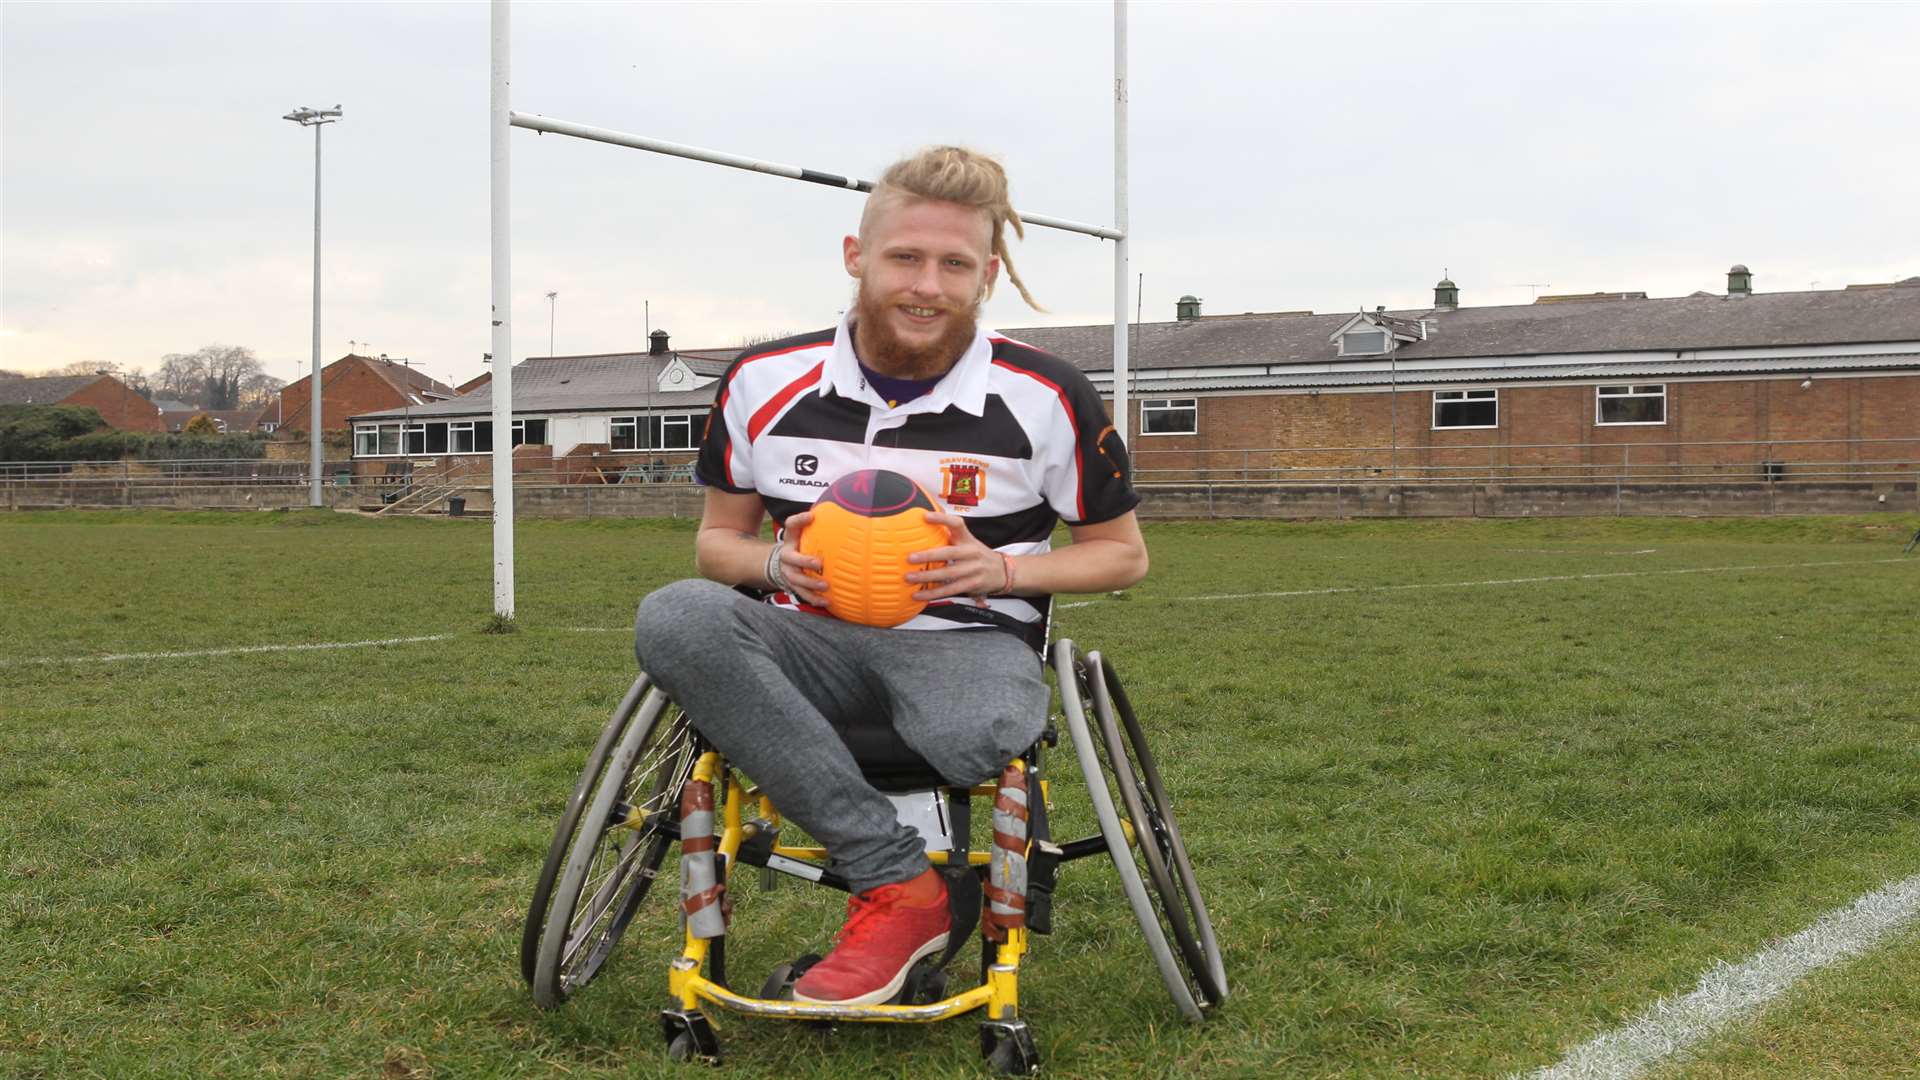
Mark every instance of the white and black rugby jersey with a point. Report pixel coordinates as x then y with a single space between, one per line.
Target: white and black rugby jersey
1012 438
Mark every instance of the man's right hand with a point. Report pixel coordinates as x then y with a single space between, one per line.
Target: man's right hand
801 571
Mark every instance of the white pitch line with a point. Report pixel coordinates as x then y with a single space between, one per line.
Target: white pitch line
1731 992
1498 581
233 651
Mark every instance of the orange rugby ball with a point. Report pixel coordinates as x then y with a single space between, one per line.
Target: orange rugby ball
864 526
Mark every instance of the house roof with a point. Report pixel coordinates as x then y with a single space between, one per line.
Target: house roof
597 383
45 390
1687 323
1382 375
405 380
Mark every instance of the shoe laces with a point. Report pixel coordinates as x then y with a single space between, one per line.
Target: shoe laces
866 911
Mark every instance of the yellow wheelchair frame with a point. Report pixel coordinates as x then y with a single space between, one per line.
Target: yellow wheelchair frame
632 803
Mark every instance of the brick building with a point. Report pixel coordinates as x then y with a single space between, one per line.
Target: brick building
602 417
117 404
1823 383
352 385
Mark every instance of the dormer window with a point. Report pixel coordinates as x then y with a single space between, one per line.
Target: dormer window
1363 342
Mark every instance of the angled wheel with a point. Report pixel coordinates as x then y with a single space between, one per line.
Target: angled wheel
1165 902
1158 844
570 824
625 826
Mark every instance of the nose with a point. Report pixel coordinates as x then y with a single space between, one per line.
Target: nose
926 282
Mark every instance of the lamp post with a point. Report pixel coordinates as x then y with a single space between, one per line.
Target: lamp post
315 119
553 302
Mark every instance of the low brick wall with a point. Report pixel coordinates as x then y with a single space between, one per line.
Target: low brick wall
1161 501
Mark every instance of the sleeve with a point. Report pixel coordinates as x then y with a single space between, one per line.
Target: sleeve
1092 480
725 460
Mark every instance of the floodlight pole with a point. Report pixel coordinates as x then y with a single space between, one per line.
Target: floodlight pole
500 129
1121 422
315 119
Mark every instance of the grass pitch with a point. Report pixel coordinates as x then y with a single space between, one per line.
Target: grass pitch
1515 783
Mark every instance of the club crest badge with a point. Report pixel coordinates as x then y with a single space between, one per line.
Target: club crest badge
963 482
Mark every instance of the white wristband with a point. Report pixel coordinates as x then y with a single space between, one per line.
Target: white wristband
776 574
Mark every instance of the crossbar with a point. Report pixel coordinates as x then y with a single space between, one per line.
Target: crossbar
547 125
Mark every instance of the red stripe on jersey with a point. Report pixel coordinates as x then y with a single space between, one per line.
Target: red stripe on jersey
1079 472
764 414
785 351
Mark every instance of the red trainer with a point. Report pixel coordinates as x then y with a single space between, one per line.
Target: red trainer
887 929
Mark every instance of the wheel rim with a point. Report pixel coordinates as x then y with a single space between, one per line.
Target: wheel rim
563 835
1177 892
617 850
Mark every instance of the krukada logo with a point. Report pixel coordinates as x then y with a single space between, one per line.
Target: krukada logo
806 464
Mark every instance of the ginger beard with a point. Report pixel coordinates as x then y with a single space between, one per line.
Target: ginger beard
886 352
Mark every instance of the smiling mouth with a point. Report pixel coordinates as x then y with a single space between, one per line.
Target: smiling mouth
920 312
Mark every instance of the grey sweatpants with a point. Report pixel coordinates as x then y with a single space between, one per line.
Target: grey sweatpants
768 687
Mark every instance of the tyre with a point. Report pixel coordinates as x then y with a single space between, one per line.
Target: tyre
627 823
1082 681
570 823
1136 776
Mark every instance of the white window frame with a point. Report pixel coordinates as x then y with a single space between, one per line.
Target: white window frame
1169 405
686 424
519 433
1386 341
457 428
367 435
1624 392
1475 394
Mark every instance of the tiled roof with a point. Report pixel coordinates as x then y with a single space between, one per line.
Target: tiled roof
404 379
1826 317
573 384
45 390
1631 369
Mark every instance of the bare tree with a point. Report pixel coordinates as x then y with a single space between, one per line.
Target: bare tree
213 377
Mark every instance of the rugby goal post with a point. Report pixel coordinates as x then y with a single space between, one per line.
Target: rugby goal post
504 120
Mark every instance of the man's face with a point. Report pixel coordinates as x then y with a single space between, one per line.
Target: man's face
923 269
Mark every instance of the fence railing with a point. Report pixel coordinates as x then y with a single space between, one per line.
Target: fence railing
1777 460
1703 462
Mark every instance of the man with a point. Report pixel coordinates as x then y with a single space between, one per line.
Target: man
1013 439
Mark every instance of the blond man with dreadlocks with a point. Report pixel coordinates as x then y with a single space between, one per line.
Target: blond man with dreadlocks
1015 441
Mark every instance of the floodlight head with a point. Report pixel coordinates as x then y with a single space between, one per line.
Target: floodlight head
306 117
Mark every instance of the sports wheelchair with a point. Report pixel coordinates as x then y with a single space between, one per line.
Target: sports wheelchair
651 782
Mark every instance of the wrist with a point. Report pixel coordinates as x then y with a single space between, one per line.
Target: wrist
775 573
1006 561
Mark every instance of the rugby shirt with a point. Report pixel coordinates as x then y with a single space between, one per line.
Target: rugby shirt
1011 438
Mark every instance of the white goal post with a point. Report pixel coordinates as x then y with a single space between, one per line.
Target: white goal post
504 120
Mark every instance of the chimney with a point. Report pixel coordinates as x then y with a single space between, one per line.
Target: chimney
1187 308
1446 295
1739 282
657 343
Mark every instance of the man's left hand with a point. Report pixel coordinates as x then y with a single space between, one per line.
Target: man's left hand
972 568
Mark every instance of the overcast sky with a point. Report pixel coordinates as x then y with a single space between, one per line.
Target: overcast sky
1284 156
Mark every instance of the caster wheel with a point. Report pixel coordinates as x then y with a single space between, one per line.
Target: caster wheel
1008 1047
924 986
690 1037
779 984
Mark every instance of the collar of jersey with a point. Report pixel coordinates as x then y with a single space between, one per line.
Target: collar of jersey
964 386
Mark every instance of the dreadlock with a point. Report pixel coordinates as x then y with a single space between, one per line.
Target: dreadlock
957 175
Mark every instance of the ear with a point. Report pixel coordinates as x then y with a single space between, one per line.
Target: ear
993 273
850 255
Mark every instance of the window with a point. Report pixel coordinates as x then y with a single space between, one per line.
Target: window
416 438
1466 408
437 438
530 431
460 437
366 440
1637 404
1363 342
670 431
389 439
1169 416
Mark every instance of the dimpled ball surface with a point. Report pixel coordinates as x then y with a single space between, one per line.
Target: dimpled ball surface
863 529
